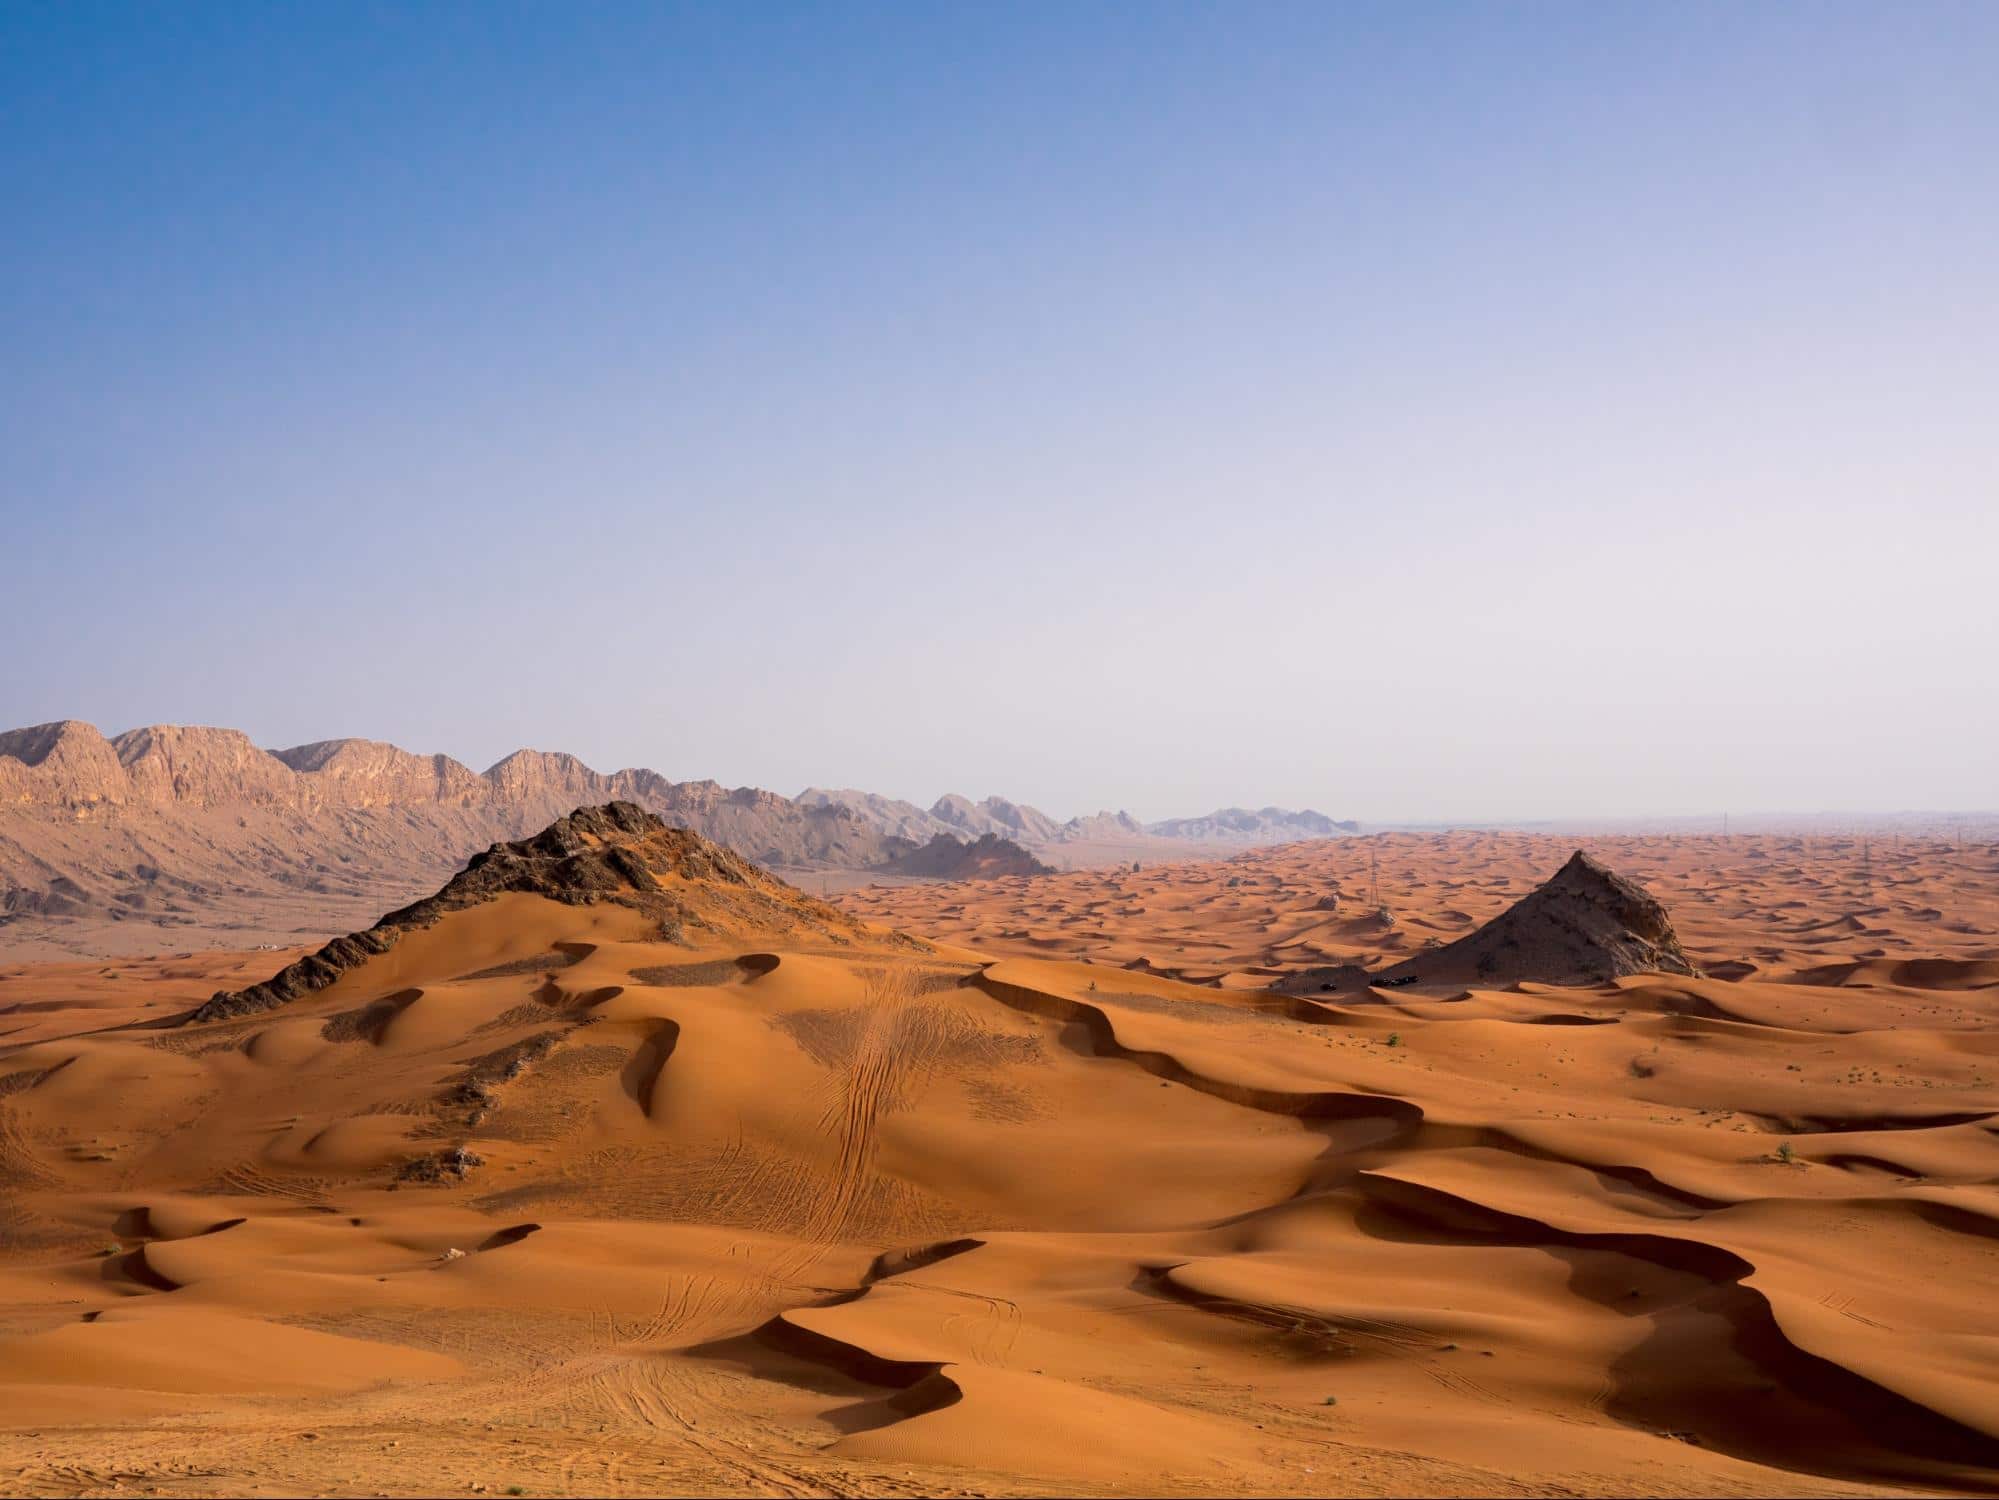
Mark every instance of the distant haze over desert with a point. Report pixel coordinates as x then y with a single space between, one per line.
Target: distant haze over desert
1049 749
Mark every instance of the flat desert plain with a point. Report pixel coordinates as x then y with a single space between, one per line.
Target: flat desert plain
621 1167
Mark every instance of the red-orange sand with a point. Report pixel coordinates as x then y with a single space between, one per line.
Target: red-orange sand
798 1211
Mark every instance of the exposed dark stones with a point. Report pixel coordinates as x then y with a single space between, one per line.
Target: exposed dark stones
618 852
948 858
440 1168
1586 925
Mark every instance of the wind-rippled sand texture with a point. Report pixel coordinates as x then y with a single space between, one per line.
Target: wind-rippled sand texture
788 1214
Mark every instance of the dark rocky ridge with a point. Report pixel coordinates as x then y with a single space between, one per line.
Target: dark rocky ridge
949 858
1585 925
618 852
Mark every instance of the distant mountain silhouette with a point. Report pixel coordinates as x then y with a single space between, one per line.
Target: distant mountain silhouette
1233 827
984 858
1266 825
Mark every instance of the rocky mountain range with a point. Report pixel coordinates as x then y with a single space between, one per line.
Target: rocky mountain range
1266 825
177 826
1234 827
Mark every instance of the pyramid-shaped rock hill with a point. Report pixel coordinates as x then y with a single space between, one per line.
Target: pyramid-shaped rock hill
617 853
1586 925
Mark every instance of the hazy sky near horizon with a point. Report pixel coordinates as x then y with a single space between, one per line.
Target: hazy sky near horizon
1412 411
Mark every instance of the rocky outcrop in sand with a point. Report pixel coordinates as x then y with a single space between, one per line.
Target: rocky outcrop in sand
618 853
985 858
1585 925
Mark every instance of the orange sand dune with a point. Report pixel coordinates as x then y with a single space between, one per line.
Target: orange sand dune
568 1195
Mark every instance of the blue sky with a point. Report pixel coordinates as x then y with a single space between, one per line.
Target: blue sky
1414 411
